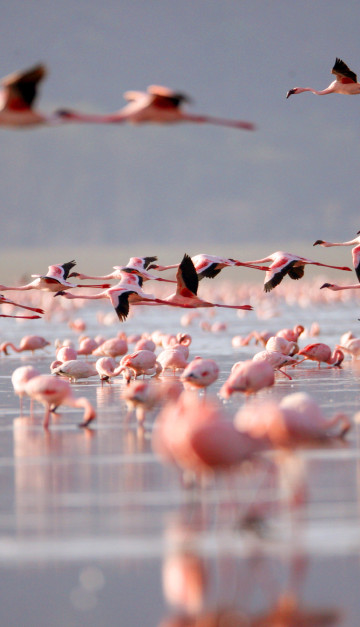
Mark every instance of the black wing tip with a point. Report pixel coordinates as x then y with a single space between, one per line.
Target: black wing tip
148 260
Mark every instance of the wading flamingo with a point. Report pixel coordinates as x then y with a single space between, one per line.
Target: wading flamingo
53 281
277 360
344 83
159 105
27 343
248 377
355 251
322 353
20 377
7 301
53 391
74 369
200 373
288 264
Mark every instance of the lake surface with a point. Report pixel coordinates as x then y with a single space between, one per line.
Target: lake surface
94 528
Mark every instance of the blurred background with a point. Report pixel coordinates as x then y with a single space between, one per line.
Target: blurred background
102 193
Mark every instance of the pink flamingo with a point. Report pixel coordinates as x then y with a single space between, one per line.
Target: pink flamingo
87 345
248 377
27 343
159 105
66 353
352 348
20 377
19 92
7 301
209 266
106 368
172 358
52 392
74 369
187 283
296 420
142 396
287 264
282 345
193 434
291 335
141 362
135 265
200 373
121 296
355 251
113 347
277 360
54 280
322 353
344 83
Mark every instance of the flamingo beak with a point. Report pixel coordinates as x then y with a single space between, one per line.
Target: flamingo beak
325 285
290 92
318 241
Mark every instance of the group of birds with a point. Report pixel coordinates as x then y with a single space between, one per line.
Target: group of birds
158 104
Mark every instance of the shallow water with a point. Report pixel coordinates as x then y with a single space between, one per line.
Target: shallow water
92 523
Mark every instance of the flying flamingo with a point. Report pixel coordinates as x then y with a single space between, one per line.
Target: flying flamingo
135 265
121 296
344 83
322 353
355 251
7 301
208 266
52 392
54 280
287 263
159 105
187 287
18 94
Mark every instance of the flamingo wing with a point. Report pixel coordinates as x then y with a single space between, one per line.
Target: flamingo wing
67 267
186 278
20 88
276 273
163 97
120 301
343 72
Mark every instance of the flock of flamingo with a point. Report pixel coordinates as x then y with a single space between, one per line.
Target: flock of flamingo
192 430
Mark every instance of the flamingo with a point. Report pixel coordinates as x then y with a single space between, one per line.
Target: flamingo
287 263
113 347
54 280
141 362
321 352
121 296
282 345
106 368
291 335
135 265
200 373
27 343
187 283
173 358
20 377
52 392
344 83
159 105
249 377
7 301
208 266
277 360
355 251
352 348
338 288
74 369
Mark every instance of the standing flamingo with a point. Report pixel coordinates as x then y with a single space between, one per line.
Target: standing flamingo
54 280
344 83
52 392
355 251
248 377
19 379
27 343
322 353
159 105
200 373
287 263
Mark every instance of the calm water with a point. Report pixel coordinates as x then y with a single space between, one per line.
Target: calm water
91 523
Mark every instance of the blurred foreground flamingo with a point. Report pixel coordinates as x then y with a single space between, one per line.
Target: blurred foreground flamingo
159 105
19 379
248 377
355 251
7 301
287 264
344 83
18 94
52 392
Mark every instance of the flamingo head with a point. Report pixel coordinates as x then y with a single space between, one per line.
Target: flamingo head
291 92
318 242
329 285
